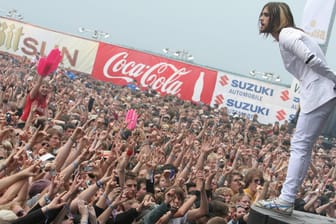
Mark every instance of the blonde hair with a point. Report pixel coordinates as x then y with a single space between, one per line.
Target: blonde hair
7 144
286 17
223 190
216 220
7 215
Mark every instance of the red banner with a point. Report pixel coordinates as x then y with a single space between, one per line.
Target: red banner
122 66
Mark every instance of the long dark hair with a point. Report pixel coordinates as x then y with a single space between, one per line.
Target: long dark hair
280 17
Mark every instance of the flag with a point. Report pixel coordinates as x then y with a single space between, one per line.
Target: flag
316 19
71 75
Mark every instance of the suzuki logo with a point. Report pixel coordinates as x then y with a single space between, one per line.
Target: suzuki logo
219 99
281 115
285 95
224 80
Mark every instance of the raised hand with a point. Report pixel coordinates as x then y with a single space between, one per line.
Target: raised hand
31 170
169 196
83 209
206 147
57 202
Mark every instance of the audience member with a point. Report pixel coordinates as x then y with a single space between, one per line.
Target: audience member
71 158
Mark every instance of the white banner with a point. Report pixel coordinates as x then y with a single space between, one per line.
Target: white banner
316 18
23 39
249 96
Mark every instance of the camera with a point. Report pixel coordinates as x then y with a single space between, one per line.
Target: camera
227 156
252 129
8 118
221 164
87 168
286 143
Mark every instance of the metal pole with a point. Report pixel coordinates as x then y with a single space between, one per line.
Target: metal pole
329 128
324 47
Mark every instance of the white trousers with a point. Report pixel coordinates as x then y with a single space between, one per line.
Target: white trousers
308 128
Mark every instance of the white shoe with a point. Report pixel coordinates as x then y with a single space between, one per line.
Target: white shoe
276 206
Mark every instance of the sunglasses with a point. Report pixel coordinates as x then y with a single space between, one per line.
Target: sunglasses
45 144
258 181
237 180
159 190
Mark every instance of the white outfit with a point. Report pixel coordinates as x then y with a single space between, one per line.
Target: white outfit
304 59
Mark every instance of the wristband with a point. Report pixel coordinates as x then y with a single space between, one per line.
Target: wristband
2 167
196 193
27 147
75 164
72 139
46 214
47 199
108 201
99 184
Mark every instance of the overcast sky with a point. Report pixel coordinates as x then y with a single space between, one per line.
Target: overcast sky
221 34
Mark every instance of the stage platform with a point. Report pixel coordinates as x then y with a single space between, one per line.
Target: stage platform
263 216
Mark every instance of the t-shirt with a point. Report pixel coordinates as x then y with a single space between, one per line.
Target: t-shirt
180 220
249 193
41 105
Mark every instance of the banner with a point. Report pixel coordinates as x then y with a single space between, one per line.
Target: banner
122 66
247 97
316 19
23 39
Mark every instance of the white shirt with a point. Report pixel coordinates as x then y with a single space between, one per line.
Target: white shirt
304 59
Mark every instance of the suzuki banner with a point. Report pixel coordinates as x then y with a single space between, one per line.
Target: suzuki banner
247 97
122 66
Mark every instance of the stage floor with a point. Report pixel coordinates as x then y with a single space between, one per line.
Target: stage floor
263 216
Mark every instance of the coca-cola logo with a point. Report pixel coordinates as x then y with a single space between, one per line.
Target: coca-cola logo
163 77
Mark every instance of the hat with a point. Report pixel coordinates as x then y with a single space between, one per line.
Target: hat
38 186
93 116
47 156
125 134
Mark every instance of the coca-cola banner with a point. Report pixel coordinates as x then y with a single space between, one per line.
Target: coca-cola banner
249 96
122 66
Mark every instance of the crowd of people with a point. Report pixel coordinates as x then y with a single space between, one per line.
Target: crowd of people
68 155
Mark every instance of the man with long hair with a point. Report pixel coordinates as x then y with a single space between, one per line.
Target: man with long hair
304 59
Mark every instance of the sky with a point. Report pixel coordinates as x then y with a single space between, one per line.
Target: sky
220 34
